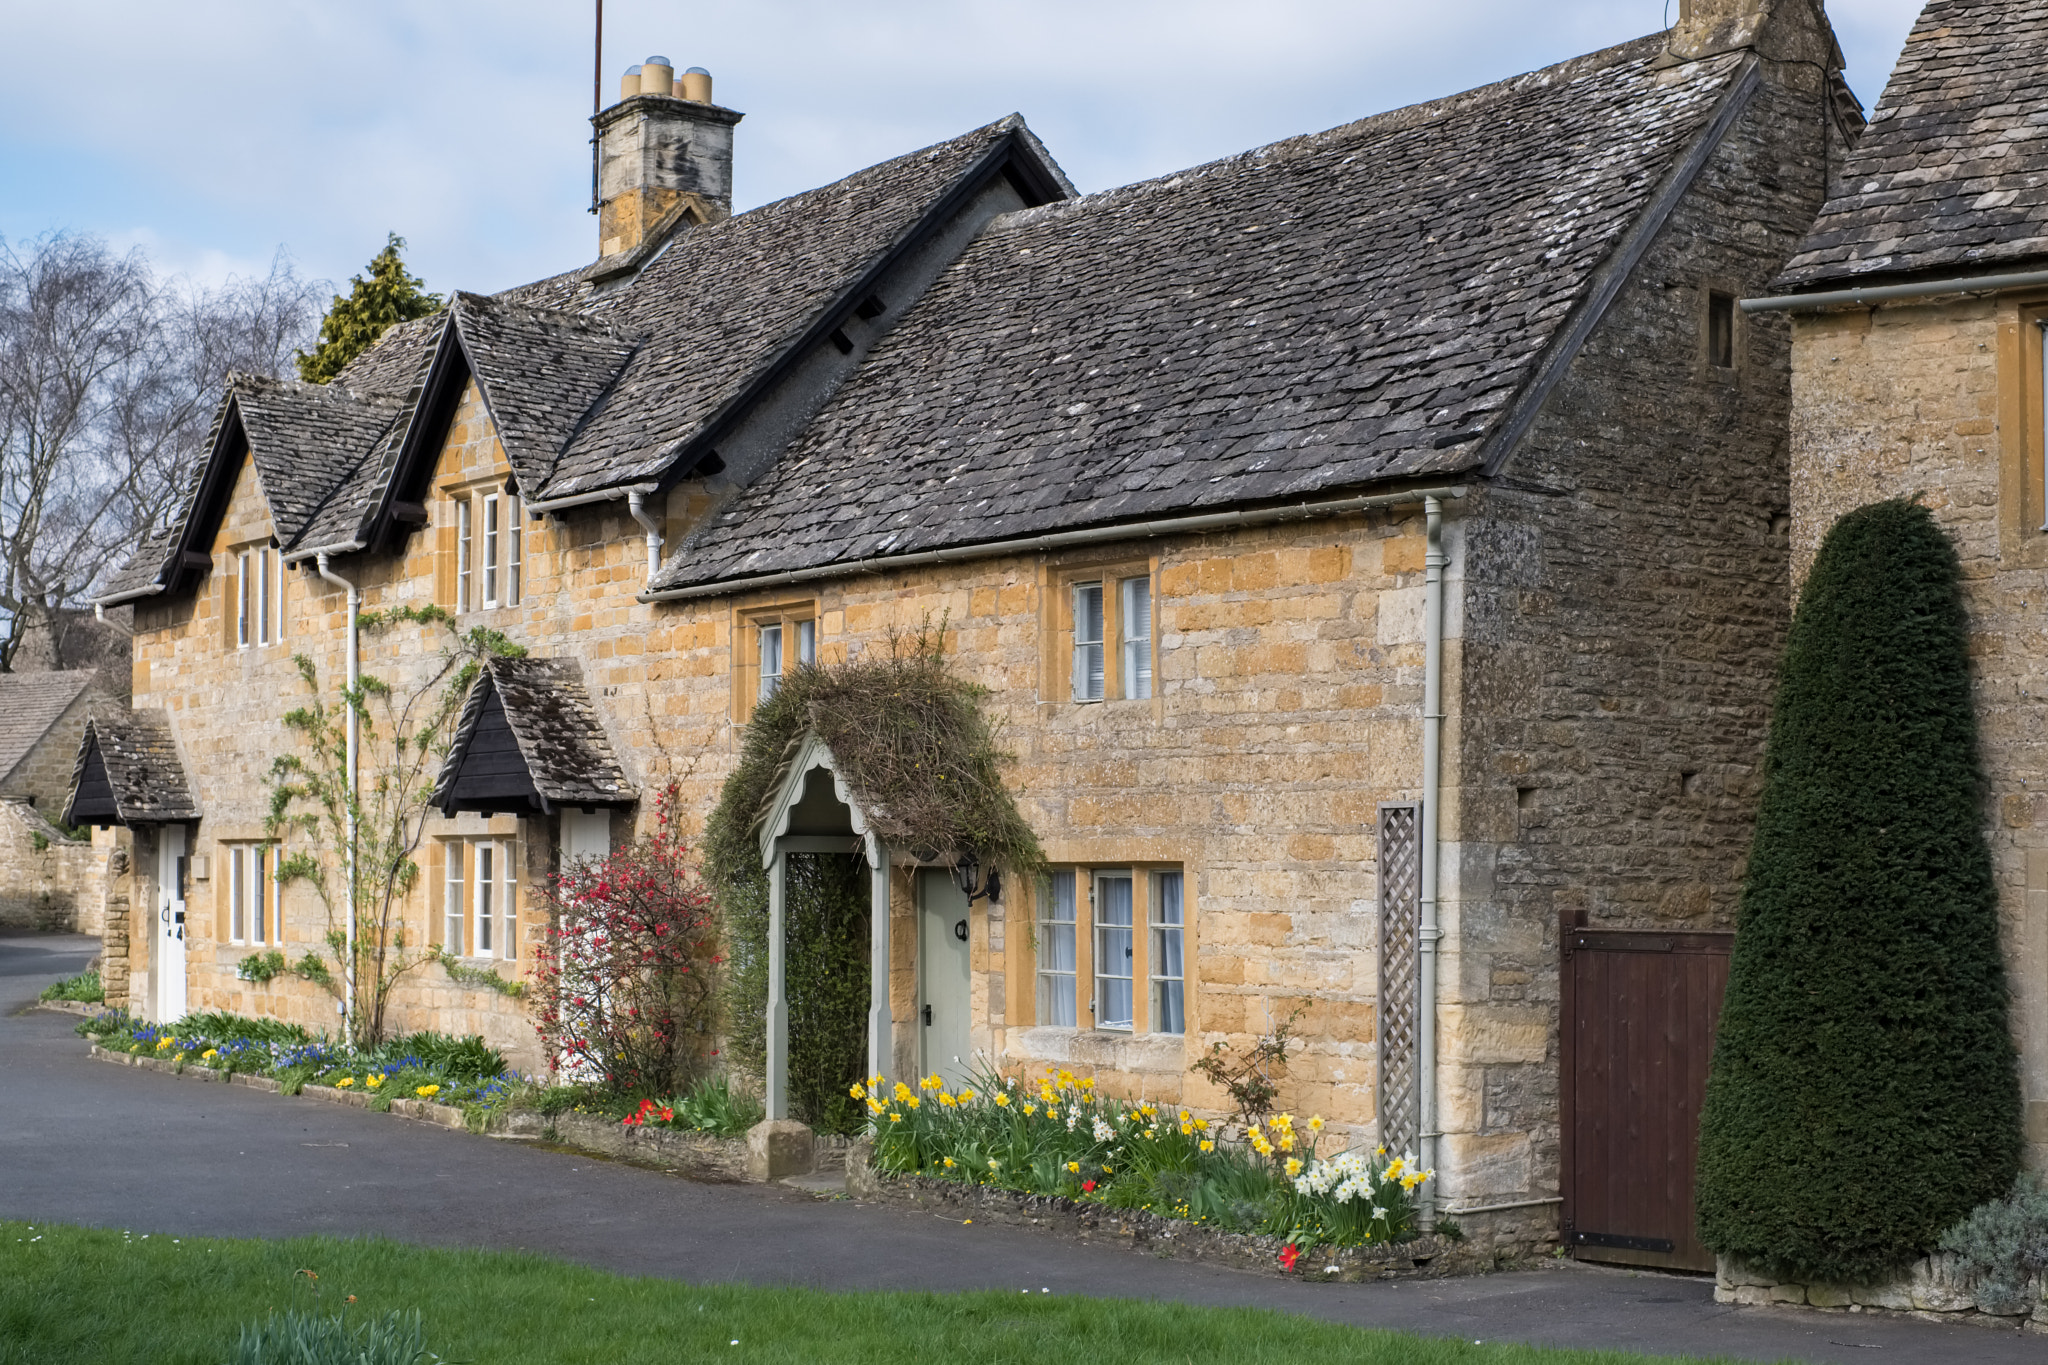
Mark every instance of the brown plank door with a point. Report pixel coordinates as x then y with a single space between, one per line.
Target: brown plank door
1639 1012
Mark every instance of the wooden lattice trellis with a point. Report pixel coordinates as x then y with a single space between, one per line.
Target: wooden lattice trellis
1400 885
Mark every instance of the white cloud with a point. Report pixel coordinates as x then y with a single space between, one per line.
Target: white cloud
212 131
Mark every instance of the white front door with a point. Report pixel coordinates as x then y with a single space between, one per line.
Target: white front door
169 973
942 978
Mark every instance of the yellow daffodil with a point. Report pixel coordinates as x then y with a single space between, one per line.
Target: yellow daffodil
162 1043
1187 1130
1105 1170
1208 1145
376 1081
1002 1100
1287 1142
895 1117
1201 1125
931 1082
209 1054
859 1091
874 1105
345 1082
914 1102
426 1090
1087 1082
966 1095
1029 1110
1294 1165
949 1163
1315 1125
947 1100
902 1092
1066 1077
1073 1168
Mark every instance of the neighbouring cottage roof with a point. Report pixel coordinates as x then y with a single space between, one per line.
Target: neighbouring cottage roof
30 703
1952 173
1353 306
128 773
529 739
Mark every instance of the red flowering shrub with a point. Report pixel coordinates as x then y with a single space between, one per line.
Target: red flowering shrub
624 982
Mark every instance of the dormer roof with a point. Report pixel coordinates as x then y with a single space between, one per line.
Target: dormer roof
529 741
128 773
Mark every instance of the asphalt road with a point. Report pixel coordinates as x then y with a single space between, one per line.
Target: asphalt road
85 1142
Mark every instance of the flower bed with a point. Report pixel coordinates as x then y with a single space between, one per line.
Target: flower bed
426 1067
1055 1137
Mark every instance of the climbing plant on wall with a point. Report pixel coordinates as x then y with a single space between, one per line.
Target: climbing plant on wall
1863 1093
912 740
402 734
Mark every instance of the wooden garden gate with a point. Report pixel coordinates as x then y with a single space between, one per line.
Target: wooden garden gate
1639 1013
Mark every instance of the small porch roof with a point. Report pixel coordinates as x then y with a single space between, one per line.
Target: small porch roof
529 740
803 799
128 773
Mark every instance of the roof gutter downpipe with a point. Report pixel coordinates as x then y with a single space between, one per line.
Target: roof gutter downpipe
1060 540
355 671
637 504
1885 293
1434 561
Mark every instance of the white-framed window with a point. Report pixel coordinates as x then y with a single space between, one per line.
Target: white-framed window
515 548
1115 951
1088 675
480 898
490 555
454 905
1056 924
1168 959
259 597
782 640
255 900
490 549
1135 625
465 552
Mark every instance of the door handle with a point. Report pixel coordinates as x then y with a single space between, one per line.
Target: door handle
927 1015
960 931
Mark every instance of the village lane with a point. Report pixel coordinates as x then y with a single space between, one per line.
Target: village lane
84 1142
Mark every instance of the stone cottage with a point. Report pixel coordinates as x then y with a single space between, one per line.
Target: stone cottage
1918 304
49 879
1373 545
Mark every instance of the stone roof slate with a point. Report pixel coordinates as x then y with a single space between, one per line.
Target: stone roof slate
725 300
141 757
1334 310
30 703
306 440
540 371
548 709
1952 173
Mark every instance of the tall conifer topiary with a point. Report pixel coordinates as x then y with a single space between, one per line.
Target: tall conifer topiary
1863 1094
391 295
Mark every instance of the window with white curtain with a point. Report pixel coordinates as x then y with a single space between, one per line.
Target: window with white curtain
1135 625
1168 956
1056 964
255 902
1088 663
259 597
1114 950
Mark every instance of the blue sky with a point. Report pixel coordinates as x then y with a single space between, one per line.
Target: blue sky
213 132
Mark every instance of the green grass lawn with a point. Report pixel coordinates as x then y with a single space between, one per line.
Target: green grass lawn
78 1294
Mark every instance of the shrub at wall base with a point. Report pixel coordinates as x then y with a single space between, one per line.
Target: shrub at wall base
1863 1095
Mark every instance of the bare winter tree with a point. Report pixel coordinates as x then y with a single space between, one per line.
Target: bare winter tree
109 377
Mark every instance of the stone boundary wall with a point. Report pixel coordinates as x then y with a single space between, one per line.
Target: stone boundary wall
54 888
1932 1288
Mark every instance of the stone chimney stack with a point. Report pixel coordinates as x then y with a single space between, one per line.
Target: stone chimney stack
663 144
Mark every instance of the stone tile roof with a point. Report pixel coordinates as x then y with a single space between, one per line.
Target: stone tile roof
564 746
540 371
145 568
1952 173
141 757
30 703
1357 305
306 441
725 301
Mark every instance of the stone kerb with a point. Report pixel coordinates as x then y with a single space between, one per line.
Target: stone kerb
1932 1288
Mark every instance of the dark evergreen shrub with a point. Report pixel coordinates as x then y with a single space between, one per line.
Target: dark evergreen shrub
1863 1095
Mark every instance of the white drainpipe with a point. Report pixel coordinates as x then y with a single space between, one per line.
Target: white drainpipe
348 973
637 504
1434 561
